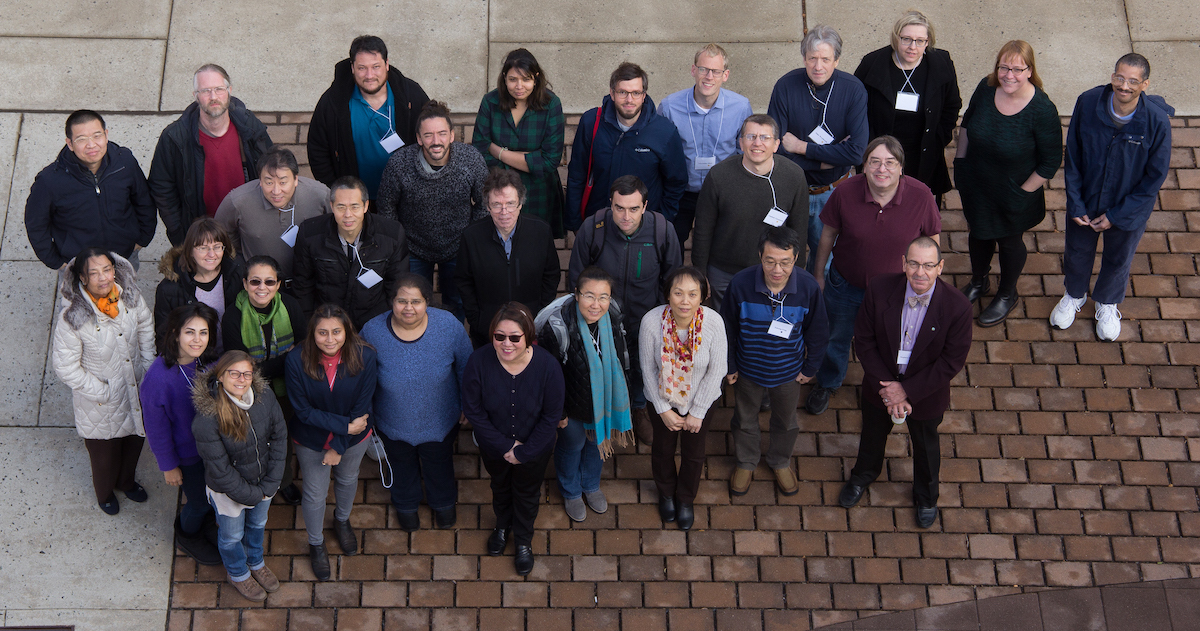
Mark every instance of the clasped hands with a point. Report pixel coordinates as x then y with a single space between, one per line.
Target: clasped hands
895 398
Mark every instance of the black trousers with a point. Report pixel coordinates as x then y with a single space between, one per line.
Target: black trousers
926 452
686 216
517 493
114 462
684 484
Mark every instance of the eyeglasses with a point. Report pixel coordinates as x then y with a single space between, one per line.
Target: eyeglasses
913 265
215 248
83 140
238 375
500 337
783 265
625 94
889 164
708 72
509 206
751 138
908 41
602 298
211 92
1122 81
269 282
1009 70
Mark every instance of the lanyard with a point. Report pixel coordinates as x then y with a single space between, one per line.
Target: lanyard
186 377
777 302
291 209
825 103
907 75
767 177
720 126
387 117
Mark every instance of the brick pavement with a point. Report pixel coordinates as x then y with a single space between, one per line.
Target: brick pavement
1068 463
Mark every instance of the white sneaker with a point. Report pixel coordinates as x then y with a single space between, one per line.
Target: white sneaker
1064 312
1108 322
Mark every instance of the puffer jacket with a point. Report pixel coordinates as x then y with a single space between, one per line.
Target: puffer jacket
558 332
178 288
102 359
247 470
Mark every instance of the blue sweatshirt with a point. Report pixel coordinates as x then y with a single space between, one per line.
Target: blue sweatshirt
167 412
749 310
796 110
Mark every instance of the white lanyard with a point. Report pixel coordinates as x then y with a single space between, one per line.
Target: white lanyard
361 268
767 177
907 76
388 117
825 103
292 216
777 302
720 126
186 377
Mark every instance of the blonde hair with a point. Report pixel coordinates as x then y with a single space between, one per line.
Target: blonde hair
712 50
1016 48
912 18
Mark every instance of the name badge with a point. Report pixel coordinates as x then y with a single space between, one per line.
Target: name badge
780 329
289 237
907 101
369 278
820 136
704 163
903 357
775 217
391 142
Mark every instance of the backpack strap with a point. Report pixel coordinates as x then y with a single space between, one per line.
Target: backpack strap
598 241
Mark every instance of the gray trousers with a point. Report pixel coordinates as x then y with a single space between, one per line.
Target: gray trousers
747 445
316 487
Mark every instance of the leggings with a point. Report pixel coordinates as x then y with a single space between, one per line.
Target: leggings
1012 260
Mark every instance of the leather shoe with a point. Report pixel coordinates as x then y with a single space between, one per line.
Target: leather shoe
319 557
345 537
850 495
739 484
998 310
445 518
410 522
642 427
137 493
976 289
685 516
666 508
110 505
196 545
926 515
818 400
290 495
497 542
523 562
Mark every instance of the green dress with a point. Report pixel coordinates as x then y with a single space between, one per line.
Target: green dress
1002 151
540 133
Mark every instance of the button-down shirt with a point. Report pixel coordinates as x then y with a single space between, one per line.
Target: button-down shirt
507 242
706 134
911 319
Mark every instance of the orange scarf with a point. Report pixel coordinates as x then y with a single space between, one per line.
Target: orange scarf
107 304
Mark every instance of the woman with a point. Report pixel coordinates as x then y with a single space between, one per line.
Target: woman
1009 146
513 397
240 434
520 126
330 382
912 94
103 343
168 409
584 333
422 355
202 269
683 355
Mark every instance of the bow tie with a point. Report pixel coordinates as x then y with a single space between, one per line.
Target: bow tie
915 301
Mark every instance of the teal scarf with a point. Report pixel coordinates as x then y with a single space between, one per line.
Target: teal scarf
610 396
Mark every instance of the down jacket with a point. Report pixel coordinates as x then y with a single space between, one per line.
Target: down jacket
102 359
558 332
248 470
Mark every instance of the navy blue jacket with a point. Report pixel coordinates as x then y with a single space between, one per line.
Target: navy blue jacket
322 414
1117 172
652 150
71 209
795 109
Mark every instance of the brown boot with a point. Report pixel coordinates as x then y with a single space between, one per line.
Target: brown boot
642 427
249 589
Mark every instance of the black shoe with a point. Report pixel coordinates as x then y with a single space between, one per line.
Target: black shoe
926 515
666 508
137 494
998 310
320 561
818 400
497 542
197 546
445 518
524 560
345 537
410 522
290 495
209 528
685 516
976 289
850 494
110 505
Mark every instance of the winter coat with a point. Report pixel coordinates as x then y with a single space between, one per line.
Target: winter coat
102 359
247 470
558 333
70 208
178 288
177 170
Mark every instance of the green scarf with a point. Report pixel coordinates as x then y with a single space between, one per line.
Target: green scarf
257 345
610 396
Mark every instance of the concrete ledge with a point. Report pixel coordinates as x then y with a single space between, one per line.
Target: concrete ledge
87 18
45 76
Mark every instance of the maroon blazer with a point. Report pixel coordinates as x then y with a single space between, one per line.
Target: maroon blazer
939 353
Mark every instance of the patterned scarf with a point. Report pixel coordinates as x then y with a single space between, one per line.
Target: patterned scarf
675 377
107 304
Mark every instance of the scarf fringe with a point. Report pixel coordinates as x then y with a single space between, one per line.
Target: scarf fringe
615 439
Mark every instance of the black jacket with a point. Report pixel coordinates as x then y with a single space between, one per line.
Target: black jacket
177 170
486 279
70 209
246 470
940 101
330 138
178 288
324 273
560 335
231 334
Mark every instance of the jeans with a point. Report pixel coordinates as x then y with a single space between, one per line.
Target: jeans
192 514
445 282
577 461
747 444
316 487
240 540
1080 254
432 461
816 203
842 301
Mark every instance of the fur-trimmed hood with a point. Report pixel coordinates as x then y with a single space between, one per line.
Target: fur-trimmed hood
205 392
167 264
80 310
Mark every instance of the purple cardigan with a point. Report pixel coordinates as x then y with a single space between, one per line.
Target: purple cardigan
168 411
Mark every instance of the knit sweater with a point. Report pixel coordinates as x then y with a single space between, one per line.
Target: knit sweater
748 310
434 207
708 362
168 411
418 397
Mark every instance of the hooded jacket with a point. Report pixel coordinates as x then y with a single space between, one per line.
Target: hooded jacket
558 332
70 208
1117 172
330 138
652 150
178 288
177 170
102 359
246 470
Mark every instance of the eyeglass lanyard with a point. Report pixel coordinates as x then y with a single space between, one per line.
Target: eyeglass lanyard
767 177
720 125
825 103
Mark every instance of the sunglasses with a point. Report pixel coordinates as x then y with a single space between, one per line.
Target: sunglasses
499 337
269 282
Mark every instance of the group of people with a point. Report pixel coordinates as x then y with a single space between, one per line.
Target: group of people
296 315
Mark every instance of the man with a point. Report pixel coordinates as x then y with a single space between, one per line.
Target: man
638 249
264 215
742 196
777 331
348 257
369 111
822 112
869 221
625 136
1118 151
706 117
210 150
509 257
93 195
435 190
912 337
